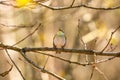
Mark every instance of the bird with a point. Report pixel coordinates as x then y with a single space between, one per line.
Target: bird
59 40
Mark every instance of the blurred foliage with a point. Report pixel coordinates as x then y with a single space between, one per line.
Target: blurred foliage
95 30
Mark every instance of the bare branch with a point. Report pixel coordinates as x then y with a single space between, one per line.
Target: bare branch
112 33
15 65
66 7
96 68
6 3
77 6
72 3
79 37
82 64
81 51
2 46
16 26
84 44
104 60
6 72
89 52
93 66
102 73
40 68
27 35
46 62
92 73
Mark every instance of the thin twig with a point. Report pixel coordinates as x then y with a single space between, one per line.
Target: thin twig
93 66
112 33
96 68
27 35
92 73
78 6
84 44
116 54
102 73
6 3
15 64
104 60
3 74
66 7
113 48
73 62
16 26
111 58
72 3
78 63
45 62
40 68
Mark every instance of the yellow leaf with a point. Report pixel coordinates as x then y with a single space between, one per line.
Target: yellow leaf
114 41
22 3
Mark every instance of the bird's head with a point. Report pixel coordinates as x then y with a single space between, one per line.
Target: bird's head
60 32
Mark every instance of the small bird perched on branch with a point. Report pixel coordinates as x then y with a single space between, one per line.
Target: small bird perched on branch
59 40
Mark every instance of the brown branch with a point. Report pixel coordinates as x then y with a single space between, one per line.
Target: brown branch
66 7
79 35
92 72
27 35
78 6
112 33
89 52
6 72
73 62
6 3
102 73
46 62
15 64
16 26
40 68
81 51
97 69
72 3
78 63
104 60
2 46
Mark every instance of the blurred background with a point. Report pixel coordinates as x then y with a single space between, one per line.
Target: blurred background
95 27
